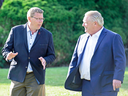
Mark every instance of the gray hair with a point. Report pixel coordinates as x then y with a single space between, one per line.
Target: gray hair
34 10
95 16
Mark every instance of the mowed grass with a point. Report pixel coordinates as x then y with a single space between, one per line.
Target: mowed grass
55 78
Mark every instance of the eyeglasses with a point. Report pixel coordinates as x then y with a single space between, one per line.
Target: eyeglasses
40 19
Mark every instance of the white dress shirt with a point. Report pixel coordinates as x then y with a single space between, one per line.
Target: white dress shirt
84 68
30 38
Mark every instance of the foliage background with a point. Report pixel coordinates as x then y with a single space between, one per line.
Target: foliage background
64 19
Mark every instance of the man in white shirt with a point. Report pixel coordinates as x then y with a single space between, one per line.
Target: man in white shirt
98 62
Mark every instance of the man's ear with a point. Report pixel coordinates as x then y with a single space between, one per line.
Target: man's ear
29 19
95 23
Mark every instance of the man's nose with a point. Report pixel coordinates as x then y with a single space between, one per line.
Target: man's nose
83 24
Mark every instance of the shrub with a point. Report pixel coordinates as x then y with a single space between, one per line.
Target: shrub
64 19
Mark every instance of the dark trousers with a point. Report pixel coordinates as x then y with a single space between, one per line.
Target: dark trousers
29 87
87 90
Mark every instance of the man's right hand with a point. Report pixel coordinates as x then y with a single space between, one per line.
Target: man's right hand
11 55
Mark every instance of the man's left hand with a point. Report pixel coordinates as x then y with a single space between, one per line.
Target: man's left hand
43 62
116 84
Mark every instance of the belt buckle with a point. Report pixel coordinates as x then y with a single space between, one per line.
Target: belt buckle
29 72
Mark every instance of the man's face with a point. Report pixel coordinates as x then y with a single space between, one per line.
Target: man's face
88 25
36 21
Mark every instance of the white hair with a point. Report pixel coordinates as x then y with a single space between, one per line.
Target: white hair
95 16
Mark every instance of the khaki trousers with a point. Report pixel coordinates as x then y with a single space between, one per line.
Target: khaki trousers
29 87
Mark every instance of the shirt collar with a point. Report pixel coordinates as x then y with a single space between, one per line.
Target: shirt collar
28 30
99 32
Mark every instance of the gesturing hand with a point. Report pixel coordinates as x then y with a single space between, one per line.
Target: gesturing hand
11 55
43 62
116 84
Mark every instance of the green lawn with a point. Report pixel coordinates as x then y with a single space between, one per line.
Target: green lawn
55 78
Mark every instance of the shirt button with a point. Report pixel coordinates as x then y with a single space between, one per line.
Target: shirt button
26 67
28 57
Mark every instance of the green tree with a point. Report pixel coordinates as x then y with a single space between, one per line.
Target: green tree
64 19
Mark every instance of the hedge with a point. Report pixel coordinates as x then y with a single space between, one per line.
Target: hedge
64 19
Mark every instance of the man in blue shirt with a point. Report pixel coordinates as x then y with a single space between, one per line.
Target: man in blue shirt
29 48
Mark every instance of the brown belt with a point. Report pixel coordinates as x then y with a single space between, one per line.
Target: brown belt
86 80
29 72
